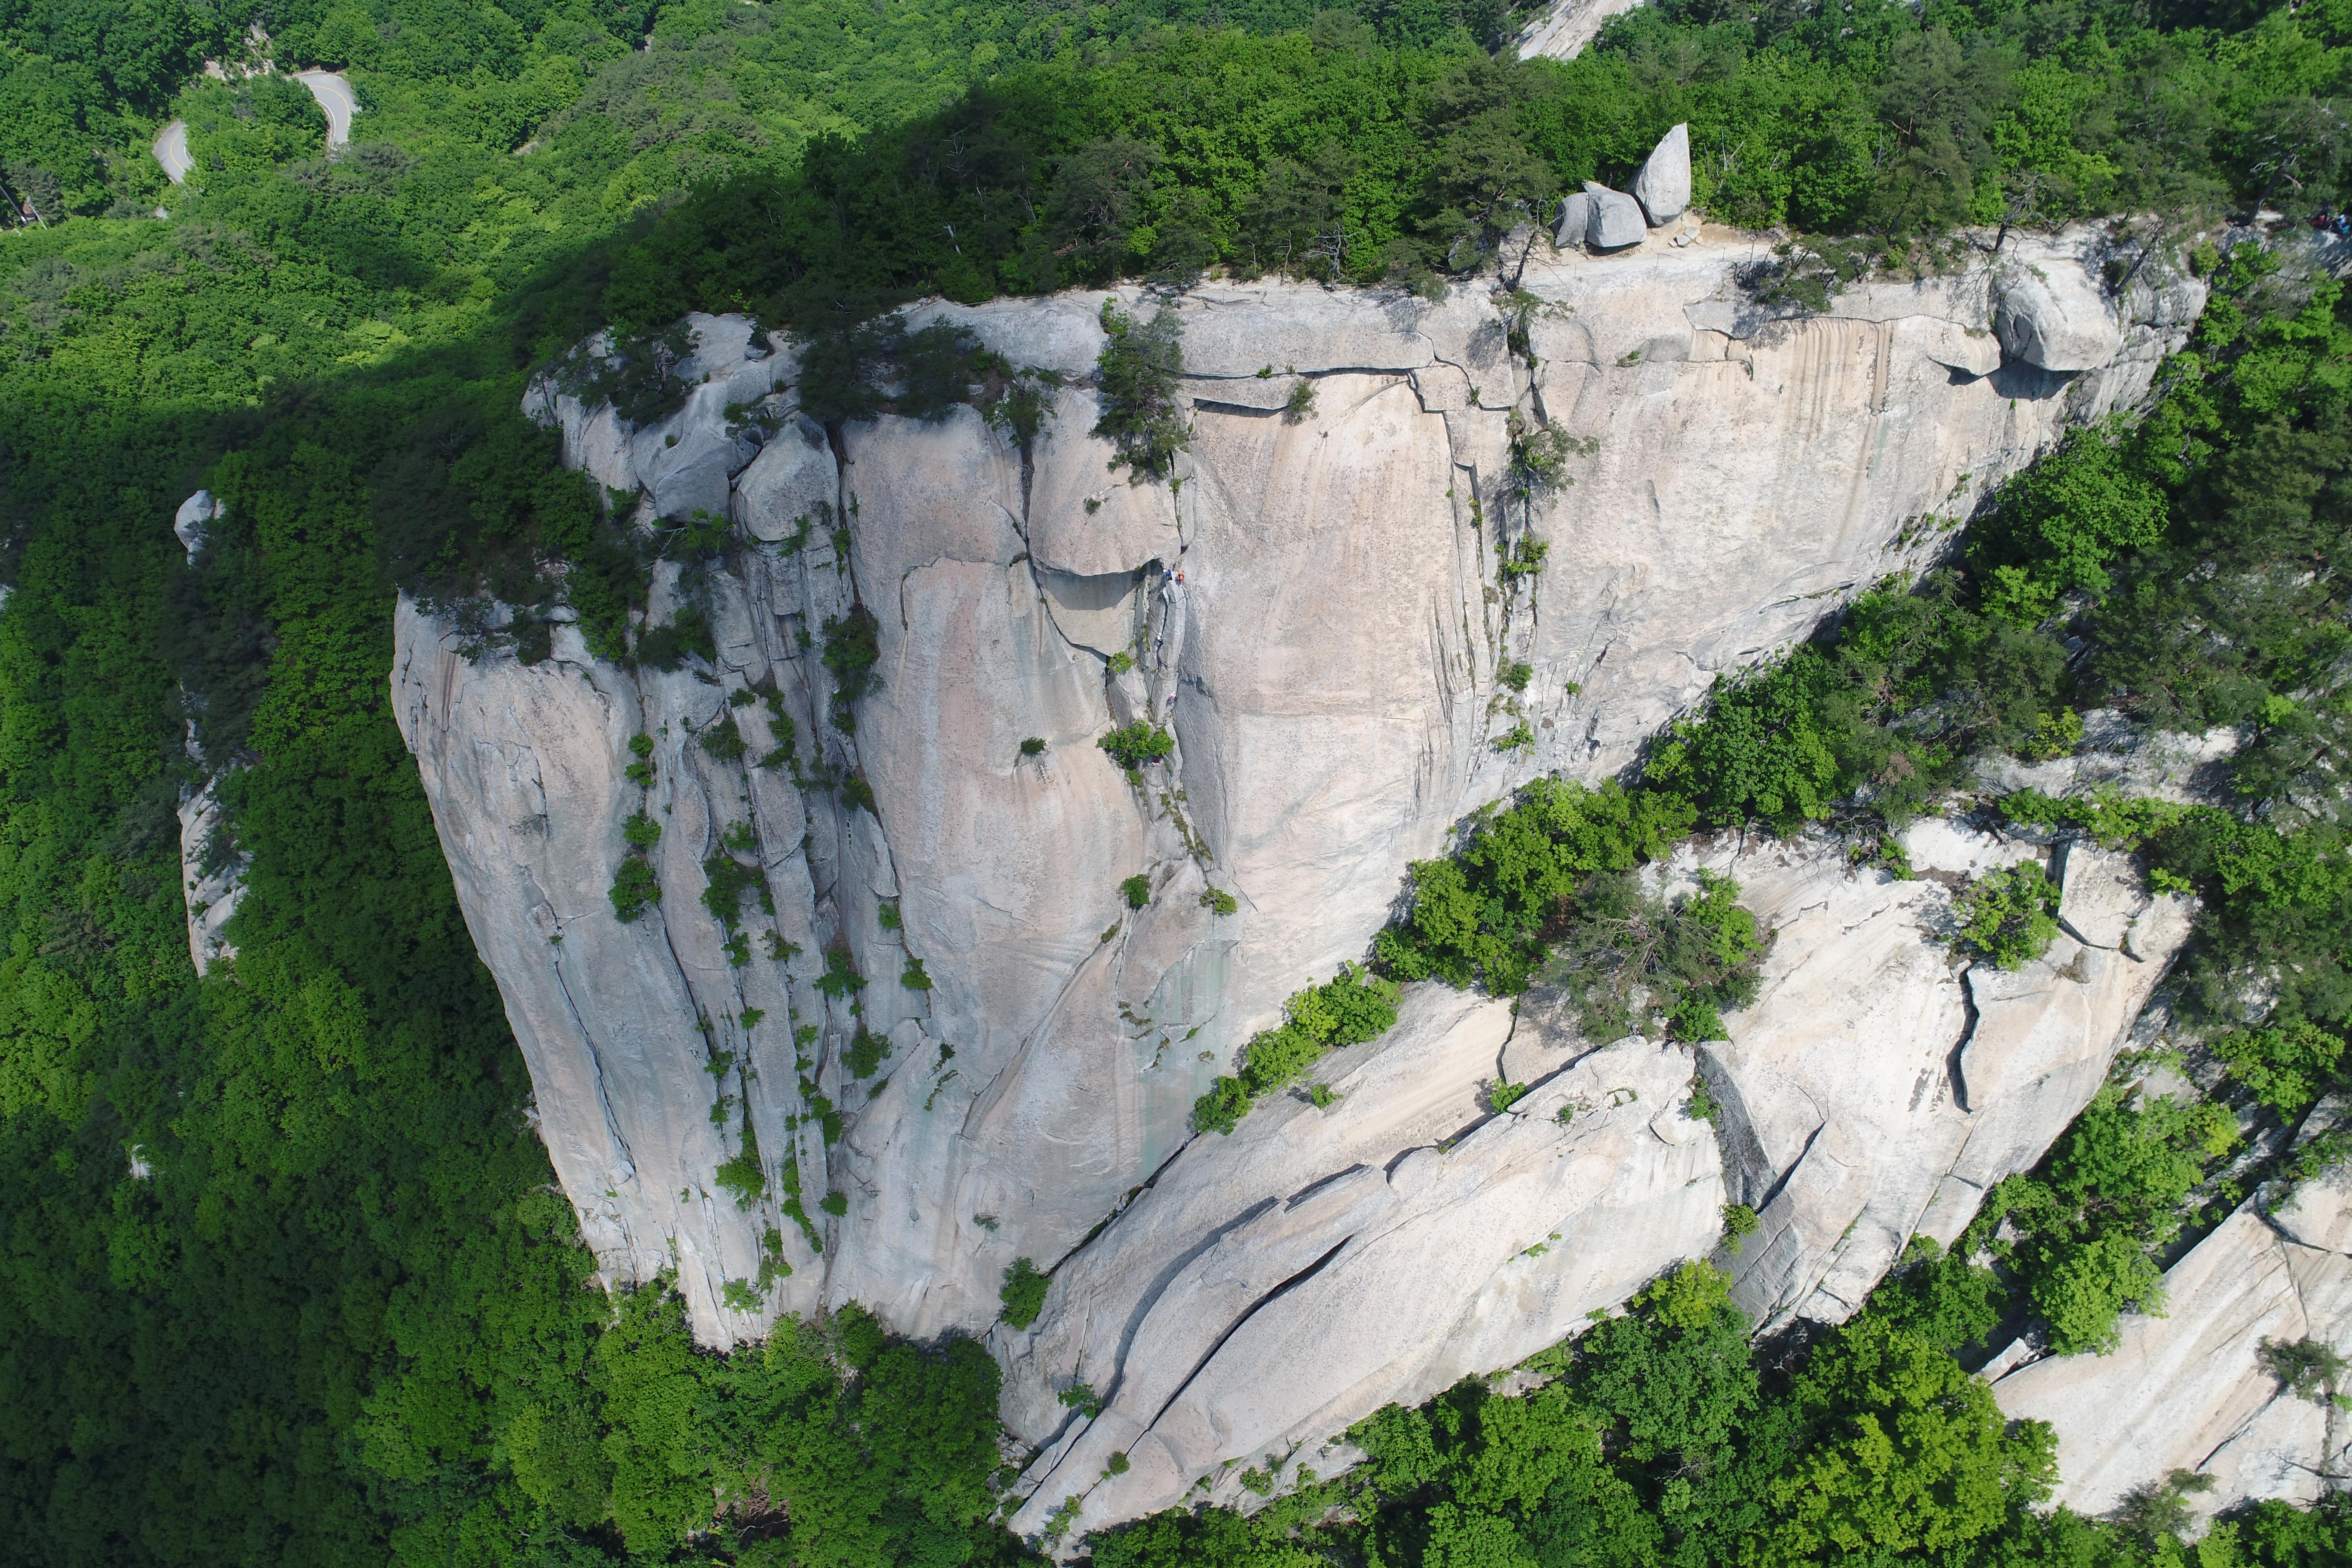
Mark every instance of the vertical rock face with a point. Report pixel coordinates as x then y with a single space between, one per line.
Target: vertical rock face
1321 609
212 869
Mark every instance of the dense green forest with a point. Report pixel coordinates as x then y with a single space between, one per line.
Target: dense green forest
283 1278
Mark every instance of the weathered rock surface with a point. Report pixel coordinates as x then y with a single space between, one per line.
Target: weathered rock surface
2052 314
1273 1287
1613 220
1664 185
210 895
2120 755
1879 1085
211 892
2189 1390
1327 664
1561 31
1575 213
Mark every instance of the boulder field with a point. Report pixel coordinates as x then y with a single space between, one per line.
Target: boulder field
936 1037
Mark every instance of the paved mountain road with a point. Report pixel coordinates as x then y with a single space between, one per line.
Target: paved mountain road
333 93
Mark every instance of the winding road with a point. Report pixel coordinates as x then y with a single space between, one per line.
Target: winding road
172 150
334 96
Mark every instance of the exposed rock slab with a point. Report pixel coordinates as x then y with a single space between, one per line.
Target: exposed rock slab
1878 1087
1562 30
2130 758
1272 1288
2179 1387
2189 1390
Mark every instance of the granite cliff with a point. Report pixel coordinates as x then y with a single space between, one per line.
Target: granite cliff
935 1036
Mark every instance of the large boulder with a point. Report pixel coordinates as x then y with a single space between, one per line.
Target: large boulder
2053 316
188 524
1575 213
1664 185
1613 221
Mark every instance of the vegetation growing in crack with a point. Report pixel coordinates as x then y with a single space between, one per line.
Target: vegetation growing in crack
1630 961
2008 915
1133 746
1350 1008
853 646
1138 379
1023 1295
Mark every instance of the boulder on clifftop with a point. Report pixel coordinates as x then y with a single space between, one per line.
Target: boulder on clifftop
2054 317
1575 214
1614 219
1664 185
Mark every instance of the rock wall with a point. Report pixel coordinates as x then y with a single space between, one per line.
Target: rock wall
212 877
1316 608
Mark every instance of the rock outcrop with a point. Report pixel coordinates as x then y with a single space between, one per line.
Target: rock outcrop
1879 1085
1271 1288
2192 1390
212 878
212 869
2054 317
188 524
1562 29
1318 610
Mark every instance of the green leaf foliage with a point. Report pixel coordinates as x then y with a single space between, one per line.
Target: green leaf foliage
2090 1217
1480 916
335 1314
2009 915
1350 1008
1024 1293
1135 744
1139 369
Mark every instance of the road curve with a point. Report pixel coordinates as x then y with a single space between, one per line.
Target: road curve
334 95
172 150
